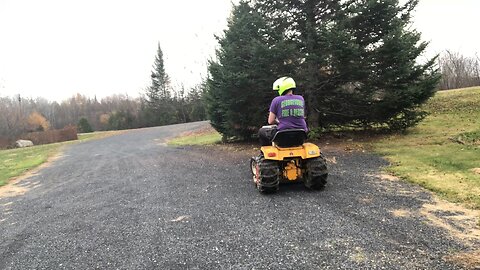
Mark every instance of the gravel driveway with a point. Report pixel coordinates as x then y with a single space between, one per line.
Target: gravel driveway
130 202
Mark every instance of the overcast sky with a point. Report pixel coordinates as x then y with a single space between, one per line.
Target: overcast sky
56 48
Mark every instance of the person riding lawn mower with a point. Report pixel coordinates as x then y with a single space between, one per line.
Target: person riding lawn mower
284 154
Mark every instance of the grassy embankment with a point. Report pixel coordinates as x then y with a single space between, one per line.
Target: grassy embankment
443 152
15 162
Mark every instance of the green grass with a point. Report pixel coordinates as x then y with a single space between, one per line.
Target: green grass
15 162
87 136
442 152
212 137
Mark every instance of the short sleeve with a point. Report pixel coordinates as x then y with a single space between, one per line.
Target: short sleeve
273 106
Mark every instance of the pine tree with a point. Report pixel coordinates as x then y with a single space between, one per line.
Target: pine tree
159 109
306 25
357 60
249 59
354 61
375 76
196 101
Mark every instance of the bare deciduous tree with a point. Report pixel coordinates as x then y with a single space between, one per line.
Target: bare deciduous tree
458 71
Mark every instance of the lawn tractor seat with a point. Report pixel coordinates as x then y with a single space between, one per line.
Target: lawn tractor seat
290 138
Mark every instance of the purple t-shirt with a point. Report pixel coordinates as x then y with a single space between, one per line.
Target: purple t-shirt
290 111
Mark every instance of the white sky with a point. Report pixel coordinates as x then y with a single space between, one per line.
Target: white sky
449 24
56 48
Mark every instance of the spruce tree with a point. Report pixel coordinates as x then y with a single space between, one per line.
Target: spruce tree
196 102
358 60
306 25
375 76
159 109
251 56
354 61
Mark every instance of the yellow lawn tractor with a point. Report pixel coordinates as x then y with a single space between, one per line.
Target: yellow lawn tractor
289 159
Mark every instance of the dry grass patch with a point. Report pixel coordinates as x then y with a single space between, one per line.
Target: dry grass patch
401 213
458 221
468 260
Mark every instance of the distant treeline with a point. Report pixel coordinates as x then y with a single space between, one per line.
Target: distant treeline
19 115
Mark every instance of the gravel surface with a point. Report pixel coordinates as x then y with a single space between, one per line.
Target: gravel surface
130 202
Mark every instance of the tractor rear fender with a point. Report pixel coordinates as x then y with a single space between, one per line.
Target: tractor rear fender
306 151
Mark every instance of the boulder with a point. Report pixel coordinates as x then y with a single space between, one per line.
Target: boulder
23 143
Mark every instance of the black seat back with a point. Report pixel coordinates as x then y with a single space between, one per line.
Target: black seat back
290 137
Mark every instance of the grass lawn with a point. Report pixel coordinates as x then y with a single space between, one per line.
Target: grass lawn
443 152
15 162
210 137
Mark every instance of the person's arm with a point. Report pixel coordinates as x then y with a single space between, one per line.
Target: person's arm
272 119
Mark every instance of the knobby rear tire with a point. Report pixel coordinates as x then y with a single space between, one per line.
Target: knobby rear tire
269 176
316 173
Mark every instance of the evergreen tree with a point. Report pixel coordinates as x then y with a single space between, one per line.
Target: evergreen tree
306 24
374 74
356 63
159 109
181 105
196 101
122 119
251 56
84 126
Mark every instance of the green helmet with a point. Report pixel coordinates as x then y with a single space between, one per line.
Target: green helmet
283 84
